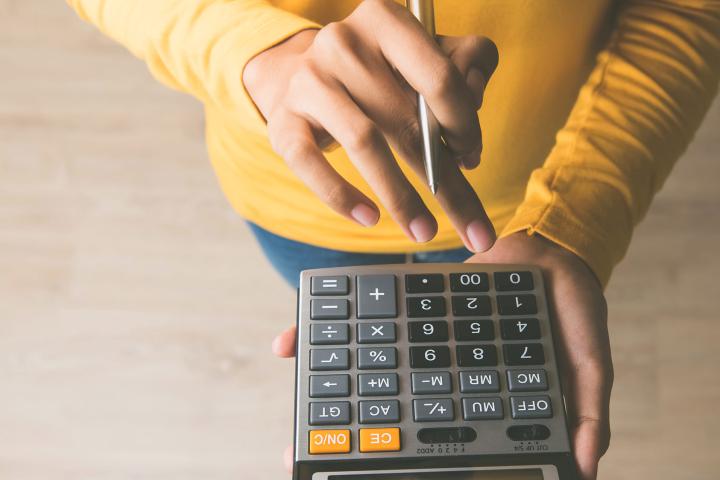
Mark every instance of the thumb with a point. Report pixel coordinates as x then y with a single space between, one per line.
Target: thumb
475 57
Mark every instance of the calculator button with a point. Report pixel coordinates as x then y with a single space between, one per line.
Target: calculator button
428 331
329 413
468 330
329 441
330 334
329 386
476 355
329 359
430 357
523 433
469 282
329 309
380 384
484 408
505 281
424 283
516 304
471 305
527 380
379 439
433 410
376 332
537 406
424 383
520 329
377 358
379 411
376 296
479 381
447 435
426 306
335 285
524 354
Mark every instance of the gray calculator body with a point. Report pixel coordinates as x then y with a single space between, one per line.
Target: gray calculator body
427 368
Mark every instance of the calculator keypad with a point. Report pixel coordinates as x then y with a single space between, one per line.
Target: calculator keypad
396 357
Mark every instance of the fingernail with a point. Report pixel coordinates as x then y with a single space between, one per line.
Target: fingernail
423 228
365 215
481 237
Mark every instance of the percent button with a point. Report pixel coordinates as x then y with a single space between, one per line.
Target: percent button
377 358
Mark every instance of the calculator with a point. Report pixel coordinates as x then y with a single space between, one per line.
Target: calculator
428 371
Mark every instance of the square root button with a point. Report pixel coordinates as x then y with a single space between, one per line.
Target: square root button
376 297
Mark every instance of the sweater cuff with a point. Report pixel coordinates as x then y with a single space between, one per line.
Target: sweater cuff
579 212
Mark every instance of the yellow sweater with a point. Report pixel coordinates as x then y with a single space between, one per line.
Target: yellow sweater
592 103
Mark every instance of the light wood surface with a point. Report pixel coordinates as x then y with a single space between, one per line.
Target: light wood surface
136 311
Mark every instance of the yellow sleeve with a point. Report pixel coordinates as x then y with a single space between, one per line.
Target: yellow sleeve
639 109
197 46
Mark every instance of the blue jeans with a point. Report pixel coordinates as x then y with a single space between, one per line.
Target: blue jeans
290 257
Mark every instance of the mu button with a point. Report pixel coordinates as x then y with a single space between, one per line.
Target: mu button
329 441
379 439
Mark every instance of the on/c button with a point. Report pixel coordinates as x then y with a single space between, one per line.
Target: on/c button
379 439
329 441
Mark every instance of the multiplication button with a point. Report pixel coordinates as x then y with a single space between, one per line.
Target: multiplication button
537 406
329 334
379 411
329 386
433 410
376 332
329 285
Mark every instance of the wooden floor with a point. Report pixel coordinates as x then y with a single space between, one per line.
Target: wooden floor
136 312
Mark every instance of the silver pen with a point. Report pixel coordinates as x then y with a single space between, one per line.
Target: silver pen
424 11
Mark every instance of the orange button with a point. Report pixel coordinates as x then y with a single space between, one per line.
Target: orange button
329 441
379 439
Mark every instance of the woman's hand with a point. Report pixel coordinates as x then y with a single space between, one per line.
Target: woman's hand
579 313
354 82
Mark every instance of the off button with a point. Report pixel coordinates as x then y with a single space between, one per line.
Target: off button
379 440
329 441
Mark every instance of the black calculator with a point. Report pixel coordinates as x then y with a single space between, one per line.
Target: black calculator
428 371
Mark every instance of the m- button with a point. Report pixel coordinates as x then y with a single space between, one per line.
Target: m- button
376 296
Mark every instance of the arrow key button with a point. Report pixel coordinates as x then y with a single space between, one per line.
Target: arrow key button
323 386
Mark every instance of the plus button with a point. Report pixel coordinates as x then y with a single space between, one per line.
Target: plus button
377 294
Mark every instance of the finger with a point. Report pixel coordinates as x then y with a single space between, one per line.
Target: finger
421 61
292 138
288 458
365 145
284 344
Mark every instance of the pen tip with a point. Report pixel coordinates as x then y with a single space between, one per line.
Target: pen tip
433 188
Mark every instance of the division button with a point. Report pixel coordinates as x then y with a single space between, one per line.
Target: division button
524 354
435 356
520 328
424 383
527 380
479 381
433 410
380 384
323 386
329 334
435 331
517 304
329 285
379 439
537 406
376 332
376 296
476 355
329 441
471 305
426 306
469 330
379 411
329 413
424 283
482 408
377 358
469 282
505 281
329 359
329 309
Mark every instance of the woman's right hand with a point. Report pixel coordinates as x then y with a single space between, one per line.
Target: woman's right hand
353 82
